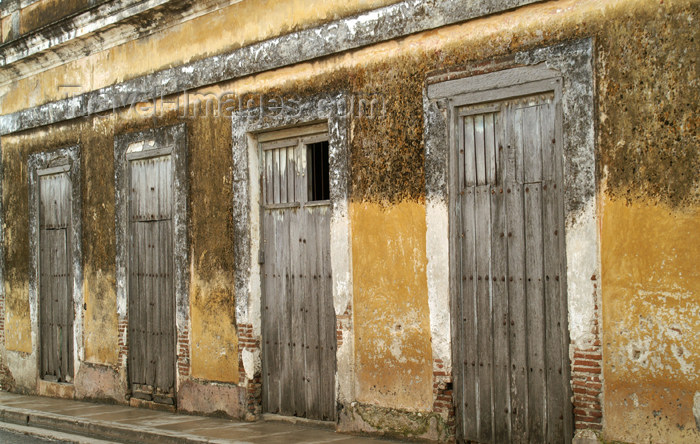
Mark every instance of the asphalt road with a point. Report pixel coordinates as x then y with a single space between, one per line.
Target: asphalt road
7 437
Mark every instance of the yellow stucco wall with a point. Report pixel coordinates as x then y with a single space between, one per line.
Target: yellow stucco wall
214 348
100 321
392 340
651 319
18 335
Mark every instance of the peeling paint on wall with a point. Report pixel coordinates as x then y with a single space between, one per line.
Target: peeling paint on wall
214 337
392 350
101 345
651 303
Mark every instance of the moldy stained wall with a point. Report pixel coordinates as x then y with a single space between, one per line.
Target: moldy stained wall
214 354
240 24
648 214
17 21
650 158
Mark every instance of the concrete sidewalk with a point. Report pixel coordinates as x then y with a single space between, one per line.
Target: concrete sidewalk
132 425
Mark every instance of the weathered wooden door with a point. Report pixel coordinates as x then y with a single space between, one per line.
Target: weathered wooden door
55 278
151 283
509 311
299 331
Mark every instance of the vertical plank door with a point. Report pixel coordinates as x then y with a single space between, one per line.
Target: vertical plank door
509 308
298 317
55 278
152 355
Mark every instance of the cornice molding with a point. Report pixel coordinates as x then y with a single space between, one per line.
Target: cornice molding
387 23
93 30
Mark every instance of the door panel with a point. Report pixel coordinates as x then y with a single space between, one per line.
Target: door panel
510 347
298 316
151 287
55 279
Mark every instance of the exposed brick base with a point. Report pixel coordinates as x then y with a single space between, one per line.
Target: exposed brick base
586 371
123 338
183 353
248 341
587 386
182 347
586 380
342 323
442 392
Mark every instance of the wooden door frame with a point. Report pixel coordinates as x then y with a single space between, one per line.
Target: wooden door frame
571 63
39 164
144 144
337 110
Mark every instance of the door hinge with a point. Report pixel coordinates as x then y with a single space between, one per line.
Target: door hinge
261 257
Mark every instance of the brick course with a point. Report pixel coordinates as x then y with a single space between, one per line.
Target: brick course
586 382
442 392
248 341
183 353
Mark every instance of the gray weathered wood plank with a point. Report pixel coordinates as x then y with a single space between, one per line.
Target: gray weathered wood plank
555 369
275 176
556 374
535 311
491 153
516 285
168 317
469 279
312 299
465 140
479 151
161 351
327 323
550 156
145 298
298 251
267 177
274 303
43 305
484 329
532 147
499 270
283 179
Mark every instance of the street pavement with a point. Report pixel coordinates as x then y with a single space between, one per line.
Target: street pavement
7 437
21 434
127 424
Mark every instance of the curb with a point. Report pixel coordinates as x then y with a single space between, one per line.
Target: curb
50 435
97 429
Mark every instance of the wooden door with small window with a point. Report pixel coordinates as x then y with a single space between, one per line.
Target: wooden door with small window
299 334
55 277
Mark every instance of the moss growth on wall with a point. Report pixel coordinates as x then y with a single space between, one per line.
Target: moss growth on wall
648 99
396 423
